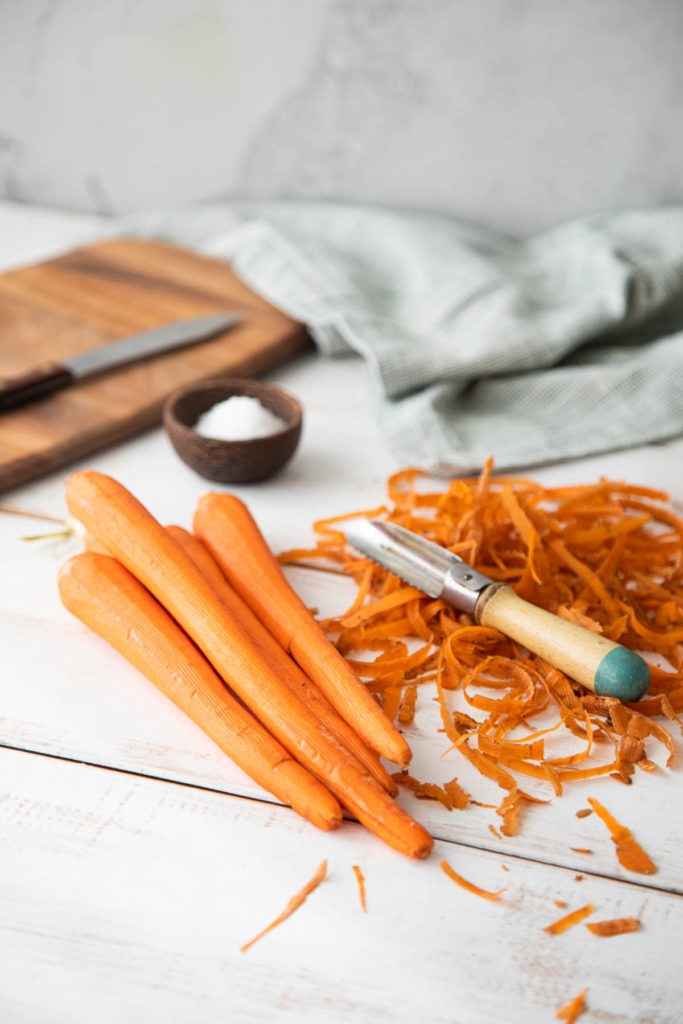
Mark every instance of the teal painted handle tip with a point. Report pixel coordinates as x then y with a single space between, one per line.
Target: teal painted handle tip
622 674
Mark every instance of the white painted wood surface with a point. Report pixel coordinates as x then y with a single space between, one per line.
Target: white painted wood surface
125 898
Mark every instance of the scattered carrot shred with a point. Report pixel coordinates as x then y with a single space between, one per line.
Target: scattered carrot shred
617 926
569 920
607 555
470 886
406 712
391 701
584 812
361 887
630 854
571 1011
457 794
494 831
580 849
427 790
293 904
560 903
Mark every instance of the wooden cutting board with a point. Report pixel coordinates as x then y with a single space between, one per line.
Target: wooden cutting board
102 292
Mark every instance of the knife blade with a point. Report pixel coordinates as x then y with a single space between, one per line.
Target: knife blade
599 664
48 377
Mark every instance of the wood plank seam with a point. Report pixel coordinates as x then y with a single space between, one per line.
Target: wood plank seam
271 802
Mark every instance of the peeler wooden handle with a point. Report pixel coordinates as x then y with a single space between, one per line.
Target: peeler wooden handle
603 666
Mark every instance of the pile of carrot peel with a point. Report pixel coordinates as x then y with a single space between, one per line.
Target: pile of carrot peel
607 556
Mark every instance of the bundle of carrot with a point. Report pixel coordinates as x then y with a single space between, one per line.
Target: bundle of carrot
607 556
261 680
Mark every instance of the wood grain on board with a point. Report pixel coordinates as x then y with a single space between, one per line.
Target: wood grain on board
94 295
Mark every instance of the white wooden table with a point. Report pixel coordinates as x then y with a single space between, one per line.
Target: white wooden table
135 860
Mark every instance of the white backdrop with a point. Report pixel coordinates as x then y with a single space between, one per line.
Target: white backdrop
513 113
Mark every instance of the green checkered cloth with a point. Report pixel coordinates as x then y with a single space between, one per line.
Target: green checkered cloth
563 345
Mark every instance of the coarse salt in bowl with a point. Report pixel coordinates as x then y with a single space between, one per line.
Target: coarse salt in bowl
224 438
238 418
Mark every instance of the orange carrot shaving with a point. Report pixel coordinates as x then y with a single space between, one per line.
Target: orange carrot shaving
569 920
470 886
608 556
584 812
293 904
571 1011
361 887
406 712
617 926
631 855
457 794
580 849
509 810
391 701
426 790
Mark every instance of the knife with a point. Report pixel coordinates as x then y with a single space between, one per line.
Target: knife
52 376
597 663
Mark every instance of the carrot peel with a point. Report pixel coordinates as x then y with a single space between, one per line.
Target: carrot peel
569 920
361 887
631 855
469 886
573 1008
293 904
616 926
606 556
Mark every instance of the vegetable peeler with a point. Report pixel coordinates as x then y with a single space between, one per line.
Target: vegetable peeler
599 664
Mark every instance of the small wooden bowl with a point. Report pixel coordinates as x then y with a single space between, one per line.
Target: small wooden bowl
232 462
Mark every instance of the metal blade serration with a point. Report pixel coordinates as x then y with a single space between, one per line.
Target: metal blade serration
419 562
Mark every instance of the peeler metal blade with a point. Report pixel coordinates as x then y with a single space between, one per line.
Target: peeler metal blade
421 563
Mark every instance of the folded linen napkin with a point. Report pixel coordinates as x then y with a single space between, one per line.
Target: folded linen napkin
566 344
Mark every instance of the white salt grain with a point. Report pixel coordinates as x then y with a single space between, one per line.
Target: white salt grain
238 418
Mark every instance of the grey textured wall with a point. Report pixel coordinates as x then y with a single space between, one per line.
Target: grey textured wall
513 113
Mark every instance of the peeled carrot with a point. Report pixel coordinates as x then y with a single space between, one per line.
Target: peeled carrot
228 529
115 518
110 601
290 672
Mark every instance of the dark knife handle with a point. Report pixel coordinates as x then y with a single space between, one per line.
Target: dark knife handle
33 384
